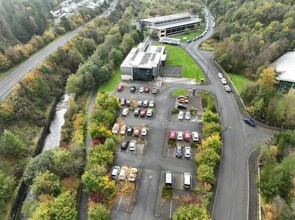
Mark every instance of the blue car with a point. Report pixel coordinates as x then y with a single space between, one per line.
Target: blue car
250 122
188 41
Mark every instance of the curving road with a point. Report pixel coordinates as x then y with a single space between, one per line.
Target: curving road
231 200
8 82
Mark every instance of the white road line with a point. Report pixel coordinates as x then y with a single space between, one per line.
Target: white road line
170 215
120 202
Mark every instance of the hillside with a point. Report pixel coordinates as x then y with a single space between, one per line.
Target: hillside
21 19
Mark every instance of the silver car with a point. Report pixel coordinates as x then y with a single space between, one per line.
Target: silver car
180 115
223 81
187 116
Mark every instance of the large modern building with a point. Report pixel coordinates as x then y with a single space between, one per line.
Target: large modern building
171 24
144 62
285 70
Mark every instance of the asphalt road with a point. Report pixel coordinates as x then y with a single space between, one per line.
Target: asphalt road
8 82
232 192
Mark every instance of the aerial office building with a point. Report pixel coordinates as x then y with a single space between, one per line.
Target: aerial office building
144 62
171 24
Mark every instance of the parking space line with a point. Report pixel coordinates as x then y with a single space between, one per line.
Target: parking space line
120 202
170 215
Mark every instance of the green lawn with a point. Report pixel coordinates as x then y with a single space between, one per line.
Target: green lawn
184 37
178 57
238 80
178 92
112 82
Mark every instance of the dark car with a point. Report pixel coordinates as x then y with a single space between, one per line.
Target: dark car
178 152
129 130
133 89
250 122
120 88
188 41
181 106
123 102
136 112
146 89
124 144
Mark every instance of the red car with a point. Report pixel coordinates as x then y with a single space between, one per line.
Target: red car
120 88
136 132
182 97
142 112
146 89
172 135
187 136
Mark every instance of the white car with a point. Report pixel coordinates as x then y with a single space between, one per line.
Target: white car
141 89
152 104
123 173
227 88
180 115
149 113
223 81
132 175
195 136
187 116
220 75
187 152
180 135
144 131
123 129
132 145
125 112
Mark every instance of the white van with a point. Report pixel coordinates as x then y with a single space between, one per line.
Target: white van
187 180
169 179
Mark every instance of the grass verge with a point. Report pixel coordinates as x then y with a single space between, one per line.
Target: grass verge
167 193
208 102
112 82
184 37
238 80
178 92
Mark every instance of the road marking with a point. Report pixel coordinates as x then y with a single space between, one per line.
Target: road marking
120 202
170 215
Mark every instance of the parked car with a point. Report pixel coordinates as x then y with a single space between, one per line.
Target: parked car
152 104
187 152
136 132
132 145
220 75
142 112
146 89
188 41
123 102
123 129
125 111
227 88
154 90
187 180
133 89
250 122
181 106
124 144
183 101
139 103
180 115
187 136
128 103
129 130
132 175
120 88
123 173
115 129
136 112
172 135
182 97
115 172
178 152
149 113
144 131
141 89
195 136
187 115
223 81
180 135
145 103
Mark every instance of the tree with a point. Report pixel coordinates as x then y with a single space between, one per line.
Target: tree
29 207
46 183
209 128
209 116
4 62
11 144
100 155
7 185
187 31
195 212
206 173
267 78
208 156
98 212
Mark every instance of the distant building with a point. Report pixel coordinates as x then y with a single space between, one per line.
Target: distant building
285 70
144 62
171 24
169 40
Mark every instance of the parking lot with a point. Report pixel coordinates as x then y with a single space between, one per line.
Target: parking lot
153 153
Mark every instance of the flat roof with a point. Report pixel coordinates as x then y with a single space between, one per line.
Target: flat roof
165 18
285 67
176 24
